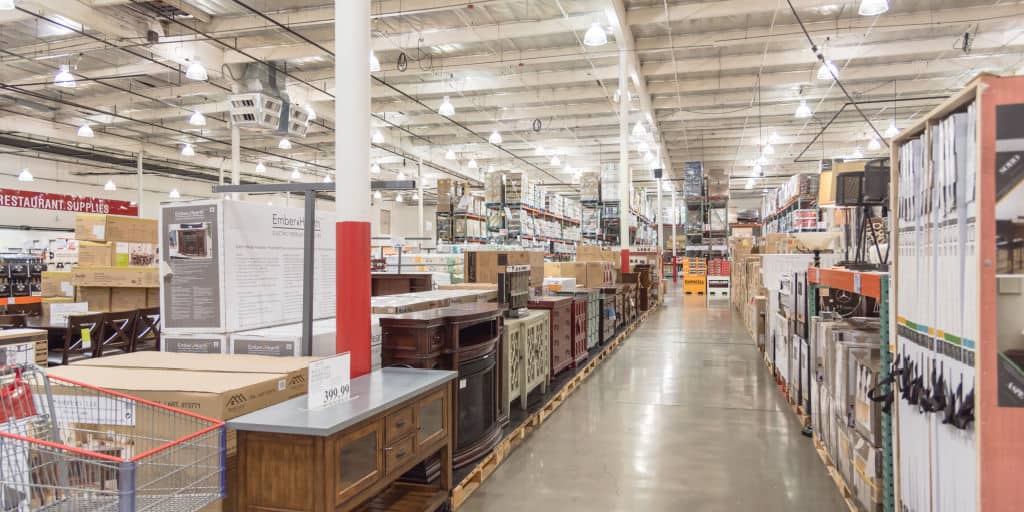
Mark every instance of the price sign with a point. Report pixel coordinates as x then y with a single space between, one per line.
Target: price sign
329 381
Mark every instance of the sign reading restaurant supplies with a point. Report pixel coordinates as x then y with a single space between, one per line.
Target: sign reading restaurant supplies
64 202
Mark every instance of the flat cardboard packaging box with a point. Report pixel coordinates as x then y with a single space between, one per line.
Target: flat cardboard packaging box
115 228
588 274
98 297
57 284
119 277
194 343
127 299
295 369
97 254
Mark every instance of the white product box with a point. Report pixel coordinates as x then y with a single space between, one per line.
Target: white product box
194 343
231 266
286 340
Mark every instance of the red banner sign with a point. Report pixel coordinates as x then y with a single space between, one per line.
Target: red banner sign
65 203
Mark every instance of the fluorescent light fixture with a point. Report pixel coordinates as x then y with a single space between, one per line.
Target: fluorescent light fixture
803 111
857 153
110 186
376 194
555 161
472 164
24 175
374 62
197 119
260 167
827 71
374 169
296 175
873 7
64 78
873 144
378 137
446 109
196 71
399 198
495 138
174 194
188 150
6 5
595 36
85 131
327 178
892 131
769 149
450 154
284 143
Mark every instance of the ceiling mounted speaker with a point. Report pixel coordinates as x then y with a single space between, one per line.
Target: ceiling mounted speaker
658 173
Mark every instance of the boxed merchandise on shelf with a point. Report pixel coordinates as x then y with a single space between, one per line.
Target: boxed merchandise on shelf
57 284
115 228
483 266
236 266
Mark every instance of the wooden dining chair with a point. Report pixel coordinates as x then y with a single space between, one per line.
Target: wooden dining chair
147 330
13 321
80 339
117 333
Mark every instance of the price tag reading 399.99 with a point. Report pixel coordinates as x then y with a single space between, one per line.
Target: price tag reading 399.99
329 381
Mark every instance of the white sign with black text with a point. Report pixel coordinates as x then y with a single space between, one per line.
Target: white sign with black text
329 381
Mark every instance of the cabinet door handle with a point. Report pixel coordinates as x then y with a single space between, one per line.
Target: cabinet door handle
400 423
400 455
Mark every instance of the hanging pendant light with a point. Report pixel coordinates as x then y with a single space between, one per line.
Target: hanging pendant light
539 151
197 119
643 147
495 138
555 161
196 71
310 112
873 144
648 156
768 149
378 137
446 109
260 167
110 186
188 150
7 5
376 194
296 175
773 138
401 176
595 35
803 111
415 196
64 78
399 198
761 160
892 131
758 170
375 169
639 130
174 194
750 184
873 7
24 175
374 62
827 71
284 143
450 154
85 130
490 169
472 164
327 178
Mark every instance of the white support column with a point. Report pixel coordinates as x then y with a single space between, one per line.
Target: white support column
138 180
661 223
624 175
419 194
675 220
236 158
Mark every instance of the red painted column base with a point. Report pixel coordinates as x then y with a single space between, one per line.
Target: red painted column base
624 261
352 285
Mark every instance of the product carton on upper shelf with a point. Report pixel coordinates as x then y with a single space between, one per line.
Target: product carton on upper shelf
57 284
121 277
231 266
115 228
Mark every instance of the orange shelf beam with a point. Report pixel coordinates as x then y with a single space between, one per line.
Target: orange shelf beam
23 300
868 284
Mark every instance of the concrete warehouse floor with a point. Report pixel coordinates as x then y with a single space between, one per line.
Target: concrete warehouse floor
684 417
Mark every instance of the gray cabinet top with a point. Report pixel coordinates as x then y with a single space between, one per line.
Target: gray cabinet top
371 395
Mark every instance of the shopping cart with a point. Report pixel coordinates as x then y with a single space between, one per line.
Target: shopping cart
67 446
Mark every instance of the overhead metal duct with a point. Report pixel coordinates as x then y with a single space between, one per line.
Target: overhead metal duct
260 102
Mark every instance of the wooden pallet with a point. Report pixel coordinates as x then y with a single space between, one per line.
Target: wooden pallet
837 477
491 461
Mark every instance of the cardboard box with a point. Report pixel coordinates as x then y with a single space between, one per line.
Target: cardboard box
483 266
59 314
152 297
194 343
590 274
98 297
57 284
115 228
552 269
286 340
116 277
867 475
97 254
127 299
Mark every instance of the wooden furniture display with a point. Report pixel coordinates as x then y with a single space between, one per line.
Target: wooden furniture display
579 331
393 284
630 302
561 329
525 358
23 346
117 334
463 338
608 320
80 339
146 330
13 321
350 455
618 291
